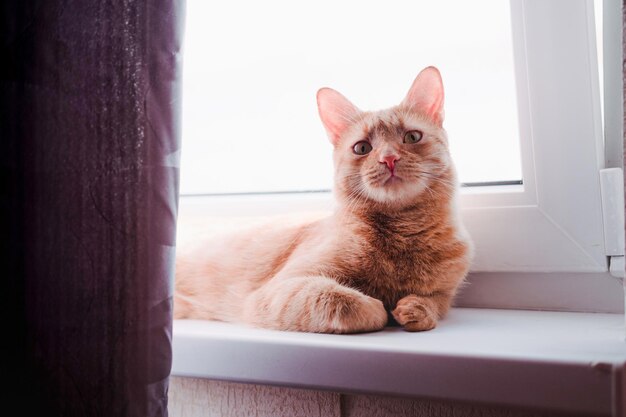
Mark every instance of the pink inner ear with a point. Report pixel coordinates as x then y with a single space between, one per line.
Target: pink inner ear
426 95
336 111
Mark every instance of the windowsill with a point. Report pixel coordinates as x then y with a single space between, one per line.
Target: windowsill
554 360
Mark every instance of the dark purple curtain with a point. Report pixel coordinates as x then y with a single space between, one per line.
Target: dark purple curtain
89 125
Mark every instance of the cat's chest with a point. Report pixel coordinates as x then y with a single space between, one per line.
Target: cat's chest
389 260
395 249
388 268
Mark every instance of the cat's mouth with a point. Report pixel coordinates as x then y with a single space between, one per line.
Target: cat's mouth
392 180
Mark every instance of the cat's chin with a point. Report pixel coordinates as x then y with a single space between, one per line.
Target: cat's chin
395 192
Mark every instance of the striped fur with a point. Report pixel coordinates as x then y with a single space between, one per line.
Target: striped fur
393 249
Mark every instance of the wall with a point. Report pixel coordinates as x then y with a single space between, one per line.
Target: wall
194 397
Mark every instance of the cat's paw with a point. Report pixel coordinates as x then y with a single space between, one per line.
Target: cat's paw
352 312
415 313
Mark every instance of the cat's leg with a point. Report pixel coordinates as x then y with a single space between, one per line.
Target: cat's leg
313 304
418 313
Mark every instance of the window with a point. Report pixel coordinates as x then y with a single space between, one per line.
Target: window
250 83
539 240
250 102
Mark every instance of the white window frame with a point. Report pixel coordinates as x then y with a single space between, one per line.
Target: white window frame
537 227
552 225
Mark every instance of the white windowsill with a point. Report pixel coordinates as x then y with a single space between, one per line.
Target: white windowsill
553 360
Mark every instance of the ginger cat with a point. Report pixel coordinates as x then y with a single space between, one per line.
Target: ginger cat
394 242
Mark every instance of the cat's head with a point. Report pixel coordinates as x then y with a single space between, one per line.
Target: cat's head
395 156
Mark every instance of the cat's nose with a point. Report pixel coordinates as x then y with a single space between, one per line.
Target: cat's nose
390 160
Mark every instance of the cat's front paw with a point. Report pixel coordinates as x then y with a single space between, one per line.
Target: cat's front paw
354 313
415 313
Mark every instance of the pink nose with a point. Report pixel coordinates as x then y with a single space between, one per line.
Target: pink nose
390 160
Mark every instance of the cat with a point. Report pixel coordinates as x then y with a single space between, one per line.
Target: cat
394 249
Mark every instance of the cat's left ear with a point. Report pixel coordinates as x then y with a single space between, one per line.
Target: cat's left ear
337 113
426 95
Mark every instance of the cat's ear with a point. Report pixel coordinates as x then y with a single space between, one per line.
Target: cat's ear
426 95
336 111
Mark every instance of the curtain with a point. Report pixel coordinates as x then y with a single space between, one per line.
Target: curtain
89 153
624 143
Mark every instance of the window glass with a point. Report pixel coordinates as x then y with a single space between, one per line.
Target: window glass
252 69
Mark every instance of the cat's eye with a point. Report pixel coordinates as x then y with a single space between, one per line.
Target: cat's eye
412 136
362 148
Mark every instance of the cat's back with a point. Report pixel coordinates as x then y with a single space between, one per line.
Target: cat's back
220 261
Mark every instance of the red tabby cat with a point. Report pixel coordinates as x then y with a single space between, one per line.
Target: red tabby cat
394 242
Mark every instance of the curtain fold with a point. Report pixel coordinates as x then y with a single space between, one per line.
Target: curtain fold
90 129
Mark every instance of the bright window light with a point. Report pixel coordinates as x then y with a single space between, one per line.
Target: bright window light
252 69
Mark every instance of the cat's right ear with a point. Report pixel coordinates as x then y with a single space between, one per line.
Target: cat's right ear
336 112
